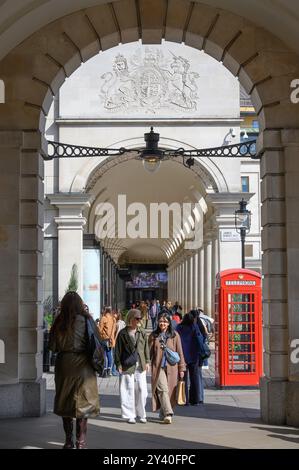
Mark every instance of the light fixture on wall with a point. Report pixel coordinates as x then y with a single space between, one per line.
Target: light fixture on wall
151 155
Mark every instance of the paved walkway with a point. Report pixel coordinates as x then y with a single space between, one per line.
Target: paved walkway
228 419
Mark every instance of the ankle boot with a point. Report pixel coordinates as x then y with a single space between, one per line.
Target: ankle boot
81 430
68 429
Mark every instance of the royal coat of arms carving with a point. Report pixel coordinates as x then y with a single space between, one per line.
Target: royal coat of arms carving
150 82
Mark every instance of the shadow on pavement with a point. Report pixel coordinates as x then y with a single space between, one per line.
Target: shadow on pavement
47 433
293 434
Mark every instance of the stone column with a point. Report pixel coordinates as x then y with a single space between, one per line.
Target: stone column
175 282
70 224
207 276
275 283
290 141
201 277
195 280
180 283
183 283
169 282
191 281
225 205
22 389
215 267
186 281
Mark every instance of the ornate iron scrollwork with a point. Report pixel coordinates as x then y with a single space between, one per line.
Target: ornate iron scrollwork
244 149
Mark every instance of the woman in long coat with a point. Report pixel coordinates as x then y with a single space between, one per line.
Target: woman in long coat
75 379
165 376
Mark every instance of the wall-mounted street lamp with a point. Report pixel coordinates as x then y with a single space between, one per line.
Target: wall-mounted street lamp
242 224
151 155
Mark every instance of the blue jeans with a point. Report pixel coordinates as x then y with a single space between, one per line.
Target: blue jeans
108 357
154 322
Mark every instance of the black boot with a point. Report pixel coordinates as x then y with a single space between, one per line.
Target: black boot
68 429
81 430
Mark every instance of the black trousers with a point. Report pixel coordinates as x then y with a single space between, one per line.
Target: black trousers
192 384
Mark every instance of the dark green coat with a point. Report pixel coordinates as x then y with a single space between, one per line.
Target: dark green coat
75 380
124 342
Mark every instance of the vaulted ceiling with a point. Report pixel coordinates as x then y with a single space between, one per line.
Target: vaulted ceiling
20 18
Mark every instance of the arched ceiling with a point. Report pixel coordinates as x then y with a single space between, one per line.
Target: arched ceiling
20 18
171 183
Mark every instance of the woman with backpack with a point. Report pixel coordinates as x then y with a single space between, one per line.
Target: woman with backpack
75 379
132 361
165 375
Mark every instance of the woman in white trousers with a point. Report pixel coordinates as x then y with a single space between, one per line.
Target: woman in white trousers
132 360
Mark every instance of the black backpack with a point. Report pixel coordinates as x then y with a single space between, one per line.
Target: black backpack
95 348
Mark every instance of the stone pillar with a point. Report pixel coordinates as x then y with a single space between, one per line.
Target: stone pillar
189 281
225 205
180 283
195 280
201 277
186 282
70 224
207 276
290 141
169 282
275 283
215 267
183 272
176 282
22 389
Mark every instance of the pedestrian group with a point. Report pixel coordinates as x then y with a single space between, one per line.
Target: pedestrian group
173 352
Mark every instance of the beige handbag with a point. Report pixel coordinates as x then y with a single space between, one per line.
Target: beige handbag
181 400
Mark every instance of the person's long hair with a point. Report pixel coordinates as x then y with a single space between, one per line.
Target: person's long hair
188 320
195 314
71 306
170 331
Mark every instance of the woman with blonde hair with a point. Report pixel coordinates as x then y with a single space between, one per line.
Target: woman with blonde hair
75 379
132 360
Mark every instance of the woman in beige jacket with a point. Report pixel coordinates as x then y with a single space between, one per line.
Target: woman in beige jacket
165 376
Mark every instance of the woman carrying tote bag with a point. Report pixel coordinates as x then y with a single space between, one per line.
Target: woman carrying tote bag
165 375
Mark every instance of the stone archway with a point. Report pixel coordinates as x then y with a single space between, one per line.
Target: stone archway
35 70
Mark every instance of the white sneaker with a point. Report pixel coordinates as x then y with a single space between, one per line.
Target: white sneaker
132 421
167 420
143 420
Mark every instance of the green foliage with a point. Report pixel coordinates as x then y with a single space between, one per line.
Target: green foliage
48 311
124 314
73 282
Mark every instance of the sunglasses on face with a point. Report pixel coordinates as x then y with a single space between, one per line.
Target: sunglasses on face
137 318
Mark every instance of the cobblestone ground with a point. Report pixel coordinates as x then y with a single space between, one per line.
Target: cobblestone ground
227 419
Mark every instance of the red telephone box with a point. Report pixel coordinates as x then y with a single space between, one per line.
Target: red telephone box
238 328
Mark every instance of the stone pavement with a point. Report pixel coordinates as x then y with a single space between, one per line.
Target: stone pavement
227 419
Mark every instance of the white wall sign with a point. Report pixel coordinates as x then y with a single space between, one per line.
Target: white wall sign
229 236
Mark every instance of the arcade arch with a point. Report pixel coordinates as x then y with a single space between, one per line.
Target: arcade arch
34 70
